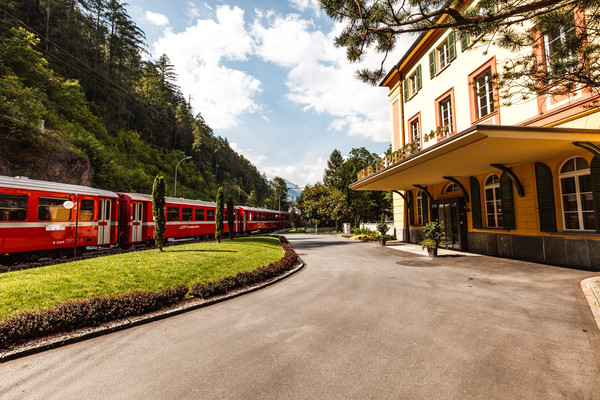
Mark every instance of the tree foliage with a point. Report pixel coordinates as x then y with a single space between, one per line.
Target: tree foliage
219 217
231 217
73 83
158 211
512 24
321 205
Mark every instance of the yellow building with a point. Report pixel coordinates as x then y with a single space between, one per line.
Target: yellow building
519 181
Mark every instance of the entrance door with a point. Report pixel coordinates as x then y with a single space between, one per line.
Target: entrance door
104 222
136 223
452 215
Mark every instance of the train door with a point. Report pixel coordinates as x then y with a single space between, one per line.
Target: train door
136 222
104 221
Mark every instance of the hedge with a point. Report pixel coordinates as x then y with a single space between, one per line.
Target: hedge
96 310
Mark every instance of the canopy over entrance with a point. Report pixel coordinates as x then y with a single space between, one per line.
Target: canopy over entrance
471 152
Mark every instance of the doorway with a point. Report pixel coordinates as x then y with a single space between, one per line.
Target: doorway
452 215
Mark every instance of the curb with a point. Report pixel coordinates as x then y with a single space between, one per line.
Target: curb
186 305
591 291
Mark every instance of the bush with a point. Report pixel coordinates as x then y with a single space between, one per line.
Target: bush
363 231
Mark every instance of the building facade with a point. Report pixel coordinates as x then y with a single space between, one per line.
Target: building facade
518 181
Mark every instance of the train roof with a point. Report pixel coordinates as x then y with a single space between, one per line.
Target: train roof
259 209
46 186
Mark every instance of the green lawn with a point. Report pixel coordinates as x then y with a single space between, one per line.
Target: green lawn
44 287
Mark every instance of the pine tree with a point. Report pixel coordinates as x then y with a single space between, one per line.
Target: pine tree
219 222
333 176
231 217
158 211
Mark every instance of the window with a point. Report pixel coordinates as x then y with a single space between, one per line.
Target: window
415 130
493 201
86 210
210 215
13 207
420 207
559 44
52 209
576 193
445 109
484 93
187 214
450 188
172 213
443 53
412 84
199 214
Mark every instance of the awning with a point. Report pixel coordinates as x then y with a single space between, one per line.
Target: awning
471 152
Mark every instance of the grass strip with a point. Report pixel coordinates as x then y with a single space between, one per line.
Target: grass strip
41 288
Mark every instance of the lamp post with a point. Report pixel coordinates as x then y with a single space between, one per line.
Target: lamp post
180 161
69 205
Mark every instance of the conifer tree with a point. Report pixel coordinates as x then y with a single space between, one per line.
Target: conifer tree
231 217
158 211
219 219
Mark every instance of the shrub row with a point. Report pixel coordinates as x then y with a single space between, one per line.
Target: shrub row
96 310
242 279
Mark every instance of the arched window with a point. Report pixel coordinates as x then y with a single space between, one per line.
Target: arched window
420 207
451 187
493 201
576 194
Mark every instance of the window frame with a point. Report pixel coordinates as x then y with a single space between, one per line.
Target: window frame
576 173
495 189
170 213
81 209
19 210
419 207
475 110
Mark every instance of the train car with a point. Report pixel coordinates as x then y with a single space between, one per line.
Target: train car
259 219
184 218
39 218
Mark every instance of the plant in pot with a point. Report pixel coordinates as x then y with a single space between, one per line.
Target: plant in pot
382 228
433 234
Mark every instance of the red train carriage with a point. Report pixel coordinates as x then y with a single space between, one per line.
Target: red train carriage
184 218
34 218
260 219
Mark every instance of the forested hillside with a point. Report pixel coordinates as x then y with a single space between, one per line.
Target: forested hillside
78 104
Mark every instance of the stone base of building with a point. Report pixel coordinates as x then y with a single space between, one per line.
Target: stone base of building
575 252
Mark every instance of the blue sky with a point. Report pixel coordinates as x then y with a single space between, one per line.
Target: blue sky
266 75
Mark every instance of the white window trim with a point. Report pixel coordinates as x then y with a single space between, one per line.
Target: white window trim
446 113
578 193
419 207
488 96
492 186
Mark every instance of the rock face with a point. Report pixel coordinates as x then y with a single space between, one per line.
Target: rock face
56 165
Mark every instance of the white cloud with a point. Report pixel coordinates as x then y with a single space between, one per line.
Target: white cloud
301 173
221 94
320 78
157 18
303 5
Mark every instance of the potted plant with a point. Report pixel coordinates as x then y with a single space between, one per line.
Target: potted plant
433 234
382 228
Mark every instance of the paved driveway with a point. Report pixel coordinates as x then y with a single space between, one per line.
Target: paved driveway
359 322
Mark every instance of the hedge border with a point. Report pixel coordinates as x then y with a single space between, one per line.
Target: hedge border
94 311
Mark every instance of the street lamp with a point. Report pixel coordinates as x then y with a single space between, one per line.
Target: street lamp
69 205
180 161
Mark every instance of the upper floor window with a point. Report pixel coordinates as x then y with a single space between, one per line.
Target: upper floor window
442 56
412 84
446 117
493 201
560 43
415 130
484 93
576 193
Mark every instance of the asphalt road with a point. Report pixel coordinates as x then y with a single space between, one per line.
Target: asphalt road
359 322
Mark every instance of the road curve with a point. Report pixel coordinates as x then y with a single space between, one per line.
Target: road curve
359 322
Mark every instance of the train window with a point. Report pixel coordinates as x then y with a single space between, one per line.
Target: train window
13 207
187 214
199 214
52 209
210 215
86 210
172 213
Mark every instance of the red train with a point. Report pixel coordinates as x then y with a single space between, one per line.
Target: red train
38 218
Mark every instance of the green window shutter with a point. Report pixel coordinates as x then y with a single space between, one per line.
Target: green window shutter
432 64
475 203
465 40
425 205
545 197
405 89
508 206
411 209
595 171
452 45
419 79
